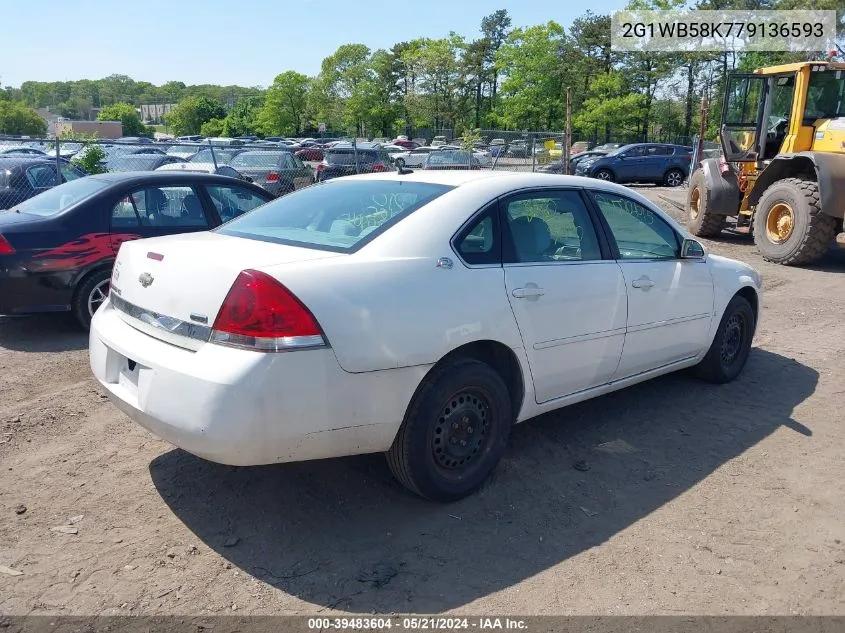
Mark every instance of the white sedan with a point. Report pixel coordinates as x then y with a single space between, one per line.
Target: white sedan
420 315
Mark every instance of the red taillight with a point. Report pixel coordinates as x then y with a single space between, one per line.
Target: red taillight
259 313
5 247
379 167
321 166
272 177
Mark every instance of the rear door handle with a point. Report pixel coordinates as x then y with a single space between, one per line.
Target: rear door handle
524 293
643 283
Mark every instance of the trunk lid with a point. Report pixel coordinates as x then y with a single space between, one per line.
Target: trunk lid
172 287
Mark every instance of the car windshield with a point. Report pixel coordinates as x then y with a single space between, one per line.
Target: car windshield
449 158
334 216
61 197
181 149
256 159
224 157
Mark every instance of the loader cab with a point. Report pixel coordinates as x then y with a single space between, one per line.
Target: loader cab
780 110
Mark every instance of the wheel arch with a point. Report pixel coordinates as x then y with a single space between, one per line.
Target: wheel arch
498 356
82 276
827 170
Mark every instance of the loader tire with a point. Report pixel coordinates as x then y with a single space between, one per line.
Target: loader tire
789 226
702 220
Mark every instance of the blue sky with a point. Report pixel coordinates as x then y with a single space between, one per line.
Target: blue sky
223 42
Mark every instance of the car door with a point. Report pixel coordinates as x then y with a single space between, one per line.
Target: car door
417 157
566 292
670 300
303 177
655 163
152 211
629 163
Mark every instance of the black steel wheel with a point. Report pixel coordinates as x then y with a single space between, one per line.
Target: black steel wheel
731 346
455 431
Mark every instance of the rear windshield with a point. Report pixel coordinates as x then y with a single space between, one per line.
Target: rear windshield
134 162
61 197
256 159
337 215
449 158
347 156
224 157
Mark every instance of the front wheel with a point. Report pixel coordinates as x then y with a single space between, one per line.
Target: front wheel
400 162
455 431
732 344
604 174
90 294
789 226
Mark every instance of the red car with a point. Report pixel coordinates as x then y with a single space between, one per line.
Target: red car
403 142
310 153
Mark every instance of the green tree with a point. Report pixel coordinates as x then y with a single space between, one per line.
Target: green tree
283 112
128 116
189 114
242 119
17 119
495 28
611 105
212 127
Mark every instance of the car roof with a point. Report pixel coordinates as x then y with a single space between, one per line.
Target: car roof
16 160
186 175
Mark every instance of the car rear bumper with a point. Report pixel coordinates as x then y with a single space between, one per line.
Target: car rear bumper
246 408
24 292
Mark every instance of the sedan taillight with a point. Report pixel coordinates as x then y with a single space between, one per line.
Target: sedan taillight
5 247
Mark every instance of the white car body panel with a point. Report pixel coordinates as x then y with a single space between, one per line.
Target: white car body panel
389 314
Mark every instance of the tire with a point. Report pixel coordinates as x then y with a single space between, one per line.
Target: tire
730 348
86 296
673 178
400 162
466 401
604 174
702 221
803 233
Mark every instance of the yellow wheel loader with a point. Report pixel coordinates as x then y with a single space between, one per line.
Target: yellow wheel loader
782 168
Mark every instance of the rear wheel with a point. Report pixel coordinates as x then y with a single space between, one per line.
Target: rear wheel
789 226
732 344
89 296
673 178
400 162
454 433
702 221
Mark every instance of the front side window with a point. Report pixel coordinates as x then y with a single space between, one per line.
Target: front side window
233 201
639 232
337 215
548 227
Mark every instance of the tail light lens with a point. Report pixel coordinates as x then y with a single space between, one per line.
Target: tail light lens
272 177
260 314
5 247
321 166
379 167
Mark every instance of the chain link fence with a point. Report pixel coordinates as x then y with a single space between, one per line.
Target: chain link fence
29 166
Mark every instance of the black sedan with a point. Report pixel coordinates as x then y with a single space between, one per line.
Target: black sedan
57 248
22 177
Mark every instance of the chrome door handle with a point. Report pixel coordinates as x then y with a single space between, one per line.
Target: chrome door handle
643 282
524 293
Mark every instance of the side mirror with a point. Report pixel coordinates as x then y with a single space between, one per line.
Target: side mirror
692 249
621 156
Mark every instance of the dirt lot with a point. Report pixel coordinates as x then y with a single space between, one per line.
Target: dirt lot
716 500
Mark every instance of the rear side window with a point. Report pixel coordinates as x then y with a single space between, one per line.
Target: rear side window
659 150
347 157
337 216
165 207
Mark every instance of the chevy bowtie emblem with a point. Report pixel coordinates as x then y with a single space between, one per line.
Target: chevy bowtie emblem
146 279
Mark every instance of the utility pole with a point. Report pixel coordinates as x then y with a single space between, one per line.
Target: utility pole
702 125
567 142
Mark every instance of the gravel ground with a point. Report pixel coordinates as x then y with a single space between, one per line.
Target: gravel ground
691 498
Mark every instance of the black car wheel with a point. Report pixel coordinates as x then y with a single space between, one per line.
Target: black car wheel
604 174
455 431
90 295
400 162
731 345
673 178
